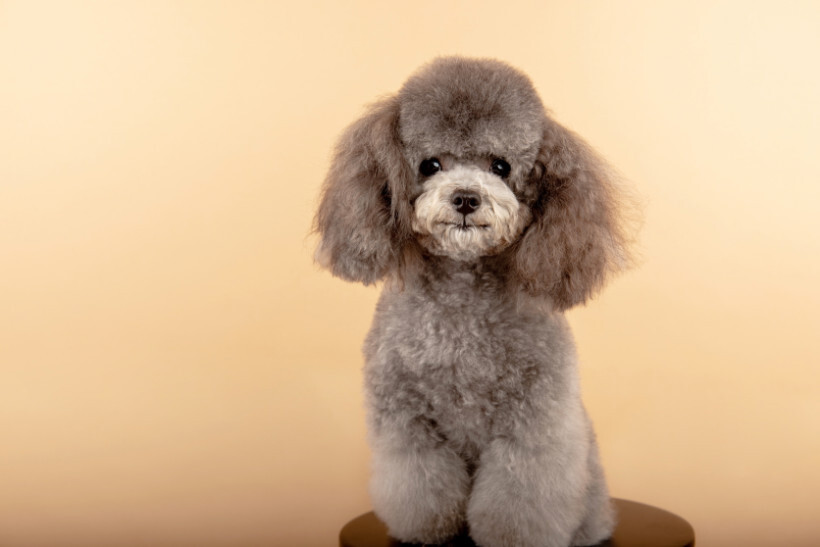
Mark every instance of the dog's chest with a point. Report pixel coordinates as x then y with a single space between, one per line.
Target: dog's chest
463 363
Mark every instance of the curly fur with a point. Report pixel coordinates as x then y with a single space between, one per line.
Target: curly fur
440 226
474 410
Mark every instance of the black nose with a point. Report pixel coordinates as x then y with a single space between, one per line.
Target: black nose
466 202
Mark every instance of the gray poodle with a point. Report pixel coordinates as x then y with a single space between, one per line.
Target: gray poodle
486 220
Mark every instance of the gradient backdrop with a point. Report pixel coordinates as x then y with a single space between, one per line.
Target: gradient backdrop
175 371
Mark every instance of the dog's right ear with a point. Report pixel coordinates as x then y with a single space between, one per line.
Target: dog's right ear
360 210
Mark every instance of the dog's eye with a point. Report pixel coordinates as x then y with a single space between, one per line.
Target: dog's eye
430 167
500 168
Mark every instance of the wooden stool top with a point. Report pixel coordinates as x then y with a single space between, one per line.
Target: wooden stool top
639 525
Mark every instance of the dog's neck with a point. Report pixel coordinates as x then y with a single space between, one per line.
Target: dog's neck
472 287
484 277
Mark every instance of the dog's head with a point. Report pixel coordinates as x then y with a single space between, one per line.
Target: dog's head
464 162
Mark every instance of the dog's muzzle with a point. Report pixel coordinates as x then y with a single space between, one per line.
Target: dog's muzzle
465 213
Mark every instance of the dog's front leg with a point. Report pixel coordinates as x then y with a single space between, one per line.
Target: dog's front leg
418 485
528 495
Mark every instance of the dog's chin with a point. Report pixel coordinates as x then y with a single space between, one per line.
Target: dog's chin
463 241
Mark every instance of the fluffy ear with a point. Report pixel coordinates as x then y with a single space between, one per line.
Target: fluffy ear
577 238
362 198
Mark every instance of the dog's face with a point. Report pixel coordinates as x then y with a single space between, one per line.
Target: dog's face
463 162
471 138
466 210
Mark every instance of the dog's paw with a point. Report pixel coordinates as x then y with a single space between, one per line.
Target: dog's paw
421 497
499 527
597 526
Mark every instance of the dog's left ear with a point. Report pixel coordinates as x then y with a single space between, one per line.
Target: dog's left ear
577 238
363 199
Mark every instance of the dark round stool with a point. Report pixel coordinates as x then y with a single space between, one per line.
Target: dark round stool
639 525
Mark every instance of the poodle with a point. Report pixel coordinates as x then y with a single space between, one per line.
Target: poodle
485 220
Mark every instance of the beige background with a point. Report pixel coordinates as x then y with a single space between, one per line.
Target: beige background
174 370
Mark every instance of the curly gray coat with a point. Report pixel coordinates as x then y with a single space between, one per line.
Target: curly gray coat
486 219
